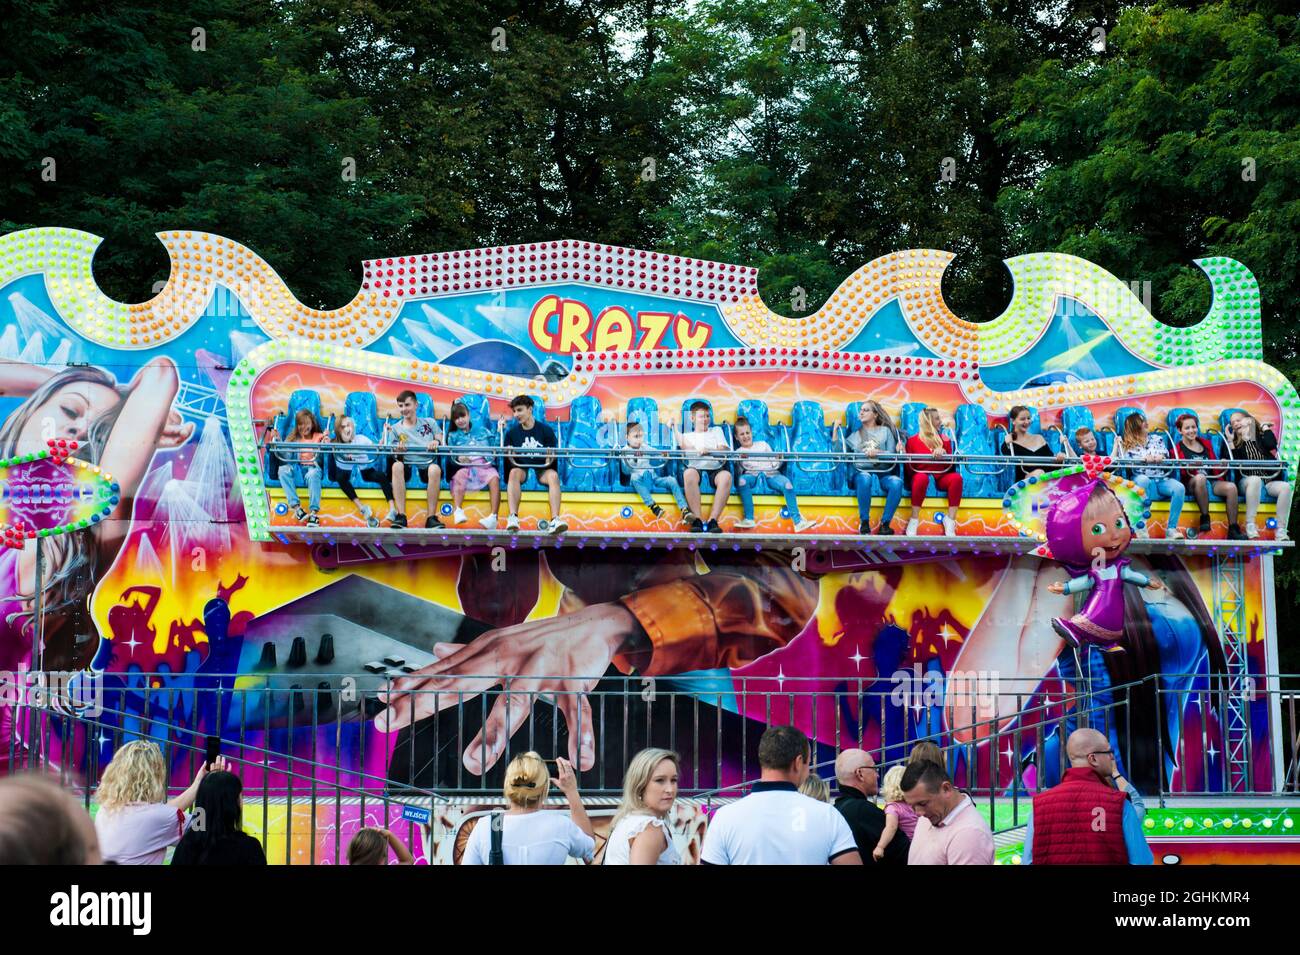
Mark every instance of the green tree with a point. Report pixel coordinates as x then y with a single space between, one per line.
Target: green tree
152 126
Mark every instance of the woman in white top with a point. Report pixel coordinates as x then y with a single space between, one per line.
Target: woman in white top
135 822
639 835
530 836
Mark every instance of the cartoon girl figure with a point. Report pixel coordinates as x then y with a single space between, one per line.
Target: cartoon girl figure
117 427
1087 527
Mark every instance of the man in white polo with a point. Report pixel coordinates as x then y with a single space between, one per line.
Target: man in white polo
776 824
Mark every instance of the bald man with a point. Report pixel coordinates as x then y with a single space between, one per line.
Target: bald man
43 824
859 781
1089 818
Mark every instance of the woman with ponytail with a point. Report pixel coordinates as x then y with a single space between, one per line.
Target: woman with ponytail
529 836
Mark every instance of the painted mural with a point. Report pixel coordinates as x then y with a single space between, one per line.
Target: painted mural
227 593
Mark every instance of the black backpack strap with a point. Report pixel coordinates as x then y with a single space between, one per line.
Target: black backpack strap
496 856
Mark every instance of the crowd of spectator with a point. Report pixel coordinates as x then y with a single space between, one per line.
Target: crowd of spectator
787 817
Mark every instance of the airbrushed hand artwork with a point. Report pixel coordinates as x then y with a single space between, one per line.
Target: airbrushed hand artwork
240 545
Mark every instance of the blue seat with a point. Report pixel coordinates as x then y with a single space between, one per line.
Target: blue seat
480 416
1225 418
645 411
424 408
706 479
974 436
1120 416
539 414
283 427
1225 425
1072 419
585 429
363 409
480 411
851 424
808 434
909 418
754 410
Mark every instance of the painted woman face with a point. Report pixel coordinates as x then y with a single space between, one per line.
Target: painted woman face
68 413
1105 527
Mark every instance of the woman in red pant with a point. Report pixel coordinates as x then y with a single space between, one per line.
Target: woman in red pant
929 439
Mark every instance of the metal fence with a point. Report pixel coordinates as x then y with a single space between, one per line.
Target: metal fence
313 768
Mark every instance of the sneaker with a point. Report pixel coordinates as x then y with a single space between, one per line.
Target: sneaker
713 527
512 522
885 529
399 521
432 522
745 524
697 526
458 517
912 527
313 519
656 510
950 528
1174 534
489 523
300 515
392 515
688 517
806 524
864 527
1235 534
1252 531
1281 535
1204 527
1142 533
558 526
367 513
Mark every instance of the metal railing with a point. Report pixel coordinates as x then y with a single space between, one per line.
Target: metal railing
310 770
287 450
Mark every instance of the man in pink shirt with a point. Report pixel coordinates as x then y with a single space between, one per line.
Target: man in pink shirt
950 831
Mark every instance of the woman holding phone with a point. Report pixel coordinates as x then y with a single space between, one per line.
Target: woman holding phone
528 835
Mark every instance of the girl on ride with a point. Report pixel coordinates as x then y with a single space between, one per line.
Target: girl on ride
930 440
1139 443
1250 442
1199 478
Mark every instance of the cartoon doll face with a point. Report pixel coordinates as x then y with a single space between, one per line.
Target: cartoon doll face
1105 527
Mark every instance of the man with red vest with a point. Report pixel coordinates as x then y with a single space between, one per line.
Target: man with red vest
1086 819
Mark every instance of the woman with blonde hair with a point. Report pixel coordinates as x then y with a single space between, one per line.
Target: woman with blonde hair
528 836
639 834
136 822
930 440
814 787
927 751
